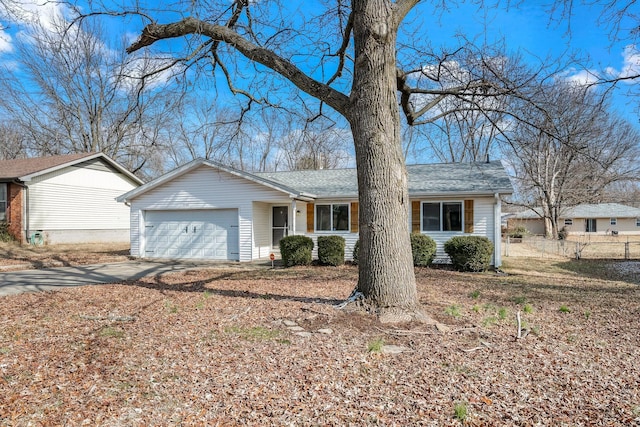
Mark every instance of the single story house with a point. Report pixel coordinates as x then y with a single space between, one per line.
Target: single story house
207 210
602 218
65 199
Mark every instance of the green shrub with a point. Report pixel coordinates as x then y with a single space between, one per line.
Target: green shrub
518 232
423 249
331 250
4 233
469 253
356 252
296 250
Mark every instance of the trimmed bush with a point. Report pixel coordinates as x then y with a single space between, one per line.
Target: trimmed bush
423 249
518 232
296 250
331 250
469 253
4 233
356 252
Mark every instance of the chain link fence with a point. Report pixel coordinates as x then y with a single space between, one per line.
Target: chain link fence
579 247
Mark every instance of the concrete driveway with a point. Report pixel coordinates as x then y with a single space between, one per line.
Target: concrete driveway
15 282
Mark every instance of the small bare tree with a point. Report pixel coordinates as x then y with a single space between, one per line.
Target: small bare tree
72 93
571 150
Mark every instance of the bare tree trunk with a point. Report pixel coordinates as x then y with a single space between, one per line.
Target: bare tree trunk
386 274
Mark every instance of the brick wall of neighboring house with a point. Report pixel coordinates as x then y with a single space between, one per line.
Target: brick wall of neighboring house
14 211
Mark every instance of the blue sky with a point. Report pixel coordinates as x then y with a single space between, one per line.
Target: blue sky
529 29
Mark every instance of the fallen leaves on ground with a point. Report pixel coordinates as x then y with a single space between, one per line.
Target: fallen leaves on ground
267 347
19 257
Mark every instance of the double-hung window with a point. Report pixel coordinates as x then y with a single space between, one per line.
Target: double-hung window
332 217
613 221
442 216
3 201
568 221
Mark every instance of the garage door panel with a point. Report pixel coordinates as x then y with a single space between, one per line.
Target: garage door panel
209 234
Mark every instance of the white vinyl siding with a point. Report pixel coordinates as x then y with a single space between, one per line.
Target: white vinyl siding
208 188
483 225
261 229
75 198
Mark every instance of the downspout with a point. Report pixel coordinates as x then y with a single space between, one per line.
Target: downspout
497 231
25 208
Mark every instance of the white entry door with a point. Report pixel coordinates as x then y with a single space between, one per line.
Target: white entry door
196 234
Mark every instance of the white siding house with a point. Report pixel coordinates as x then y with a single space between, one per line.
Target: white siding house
248 213
68 199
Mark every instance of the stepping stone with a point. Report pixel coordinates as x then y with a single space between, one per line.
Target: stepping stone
287 322
296 328
393 349
325 331
304 334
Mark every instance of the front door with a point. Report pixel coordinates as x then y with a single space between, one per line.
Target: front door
280 215
590 225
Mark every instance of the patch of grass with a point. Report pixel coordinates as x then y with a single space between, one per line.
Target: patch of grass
587 314
476 308
453 310
171 307
535 331
207 294
475 294
489 321
503 313
460 411
636 411
256 333
527 309
520 300
4 350
109 332
375 346
564 309
489 307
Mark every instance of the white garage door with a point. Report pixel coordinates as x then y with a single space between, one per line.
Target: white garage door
197 234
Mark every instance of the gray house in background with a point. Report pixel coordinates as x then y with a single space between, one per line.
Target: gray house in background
602 218
207 210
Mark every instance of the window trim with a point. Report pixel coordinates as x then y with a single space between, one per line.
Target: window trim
441 203
5 194
568 221
637 222
331 205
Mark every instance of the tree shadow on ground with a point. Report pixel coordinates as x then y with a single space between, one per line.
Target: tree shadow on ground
212 285
610 269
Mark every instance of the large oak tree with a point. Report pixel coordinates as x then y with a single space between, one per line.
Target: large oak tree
345 55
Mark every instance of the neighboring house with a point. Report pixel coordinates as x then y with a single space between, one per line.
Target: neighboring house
603 218
65 199
207 210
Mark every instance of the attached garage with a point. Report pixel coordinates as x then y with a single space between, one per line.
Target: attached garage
192 234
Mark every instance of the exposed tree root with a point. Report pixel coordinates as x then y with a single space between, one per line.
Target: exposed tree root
390 315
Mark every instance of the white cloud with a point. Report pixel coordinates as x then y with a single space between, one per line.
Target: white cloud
631 61
6 44
30 13
582 77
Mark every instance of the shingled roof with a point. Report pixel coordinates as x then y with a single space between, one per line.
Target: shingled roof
423 180
600 210
16 168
